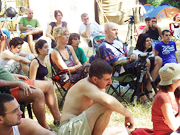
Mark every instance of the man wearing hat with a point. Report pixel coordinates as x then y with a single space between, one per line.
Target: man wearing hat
165 108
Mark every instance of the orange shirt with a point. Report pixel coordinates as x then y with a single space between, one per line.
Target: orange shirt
160 125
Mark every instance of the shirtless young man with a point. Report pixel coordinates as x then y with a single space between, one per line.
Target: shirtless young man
87 108
11 122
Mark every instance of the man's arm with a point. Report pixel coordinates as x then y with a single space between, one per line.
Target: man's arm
12 84
176 57
159 29
156 53
9 55
145 30
106 100
87 33
31 127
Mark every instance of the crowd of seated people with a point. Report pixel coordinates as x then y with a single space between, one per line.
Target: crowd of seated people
67 54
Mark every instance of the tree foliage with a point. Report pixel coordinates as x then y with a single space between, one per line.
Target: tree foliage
175 3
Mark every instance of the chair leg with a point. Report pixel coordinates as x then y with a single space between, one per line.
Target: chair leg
29 111
22 107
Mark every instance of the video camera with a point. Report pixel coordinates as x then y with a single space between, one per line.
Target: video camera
131 19
142 58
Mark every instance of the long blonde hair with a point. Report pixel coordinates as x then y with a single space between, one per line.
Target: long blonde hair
59 31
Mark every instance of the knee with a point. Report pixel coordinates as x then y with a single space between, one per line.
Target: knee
158 61
30 37
49 85
38 93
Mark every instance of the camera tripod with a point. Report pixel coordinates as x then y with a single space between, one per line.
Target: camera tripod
130 30
143 72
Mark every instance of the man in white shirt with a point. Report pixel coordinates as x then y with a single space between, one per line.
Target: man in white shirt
89 29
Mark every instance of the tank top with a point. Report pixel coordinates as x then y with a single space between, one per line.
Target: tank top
153 33
42 71
70 62
53 24
15 130
176 25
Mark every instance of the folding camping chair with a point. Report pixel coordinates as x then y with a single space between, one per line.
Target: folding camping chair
22 105
136 80
93 42
62 80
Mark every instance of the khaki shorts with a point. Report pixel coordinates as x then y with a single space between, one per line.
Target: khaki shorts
75 126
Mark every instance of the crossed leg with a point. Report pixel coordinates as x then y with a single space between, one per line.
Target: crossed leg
38 105
98 117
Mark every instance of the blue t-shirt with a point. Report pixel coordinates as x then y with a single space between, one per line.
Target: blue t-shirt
166 51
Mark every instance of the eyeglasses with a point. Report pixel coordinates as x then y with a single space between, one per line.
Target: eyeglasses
16 111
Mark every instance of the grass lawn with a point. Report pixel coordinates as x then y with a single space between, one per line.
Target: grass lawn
141 113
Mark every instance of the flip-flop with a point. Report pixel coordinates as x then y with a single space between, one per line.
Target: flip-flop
56 123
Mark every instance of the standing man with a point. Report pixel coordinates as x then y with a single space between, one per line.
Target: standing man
11 122
166 49
153 30
89 29
30 29
90 111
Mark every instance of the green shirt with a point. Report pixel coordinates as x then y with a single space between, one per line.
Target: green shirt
6 75
80 54
29 23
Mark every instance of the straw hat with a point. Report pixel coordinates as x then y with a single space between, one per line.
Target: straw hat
169 73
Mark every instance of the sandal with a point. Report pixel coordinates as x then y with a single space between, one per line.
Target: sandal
56 123
146 101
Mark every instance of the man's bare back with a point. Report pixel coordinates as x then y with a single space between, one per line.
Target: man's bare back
72 109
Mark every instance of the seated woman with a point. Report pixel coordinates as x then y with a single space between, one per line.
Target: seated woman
64 57
176 22
59 23
165 108
74 40
144 45
14 60
38 69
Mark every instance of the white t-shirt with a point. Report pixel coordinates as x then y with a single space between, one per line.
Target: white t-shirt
15 130
94 27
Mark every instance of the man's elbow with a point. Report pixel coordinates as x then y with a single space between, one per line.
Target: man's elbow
85 35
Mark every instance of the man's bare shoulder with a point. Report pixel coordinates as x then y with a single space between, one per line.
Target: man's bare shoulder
29 126
84 84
